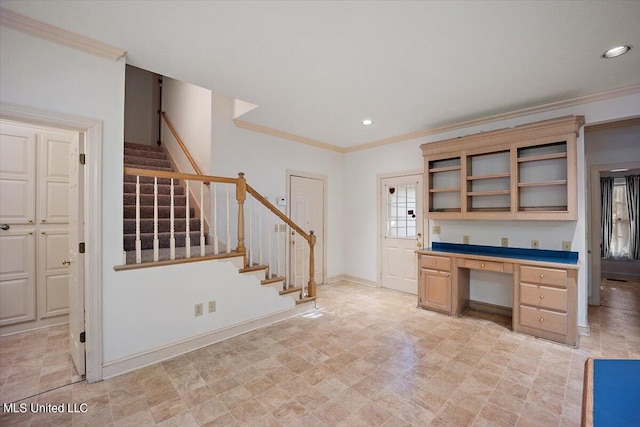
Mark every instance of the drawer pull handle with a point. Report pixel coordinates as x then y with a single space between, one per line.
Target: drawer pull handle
482 265
542 276
435 262
541 296
542 320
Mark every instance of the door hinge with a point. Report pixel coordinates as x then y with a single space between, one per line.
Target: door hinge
82 337
81 247
83 158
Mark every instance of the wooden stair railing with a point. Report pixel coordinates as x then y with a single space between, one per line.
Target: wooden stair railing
186 152
241 188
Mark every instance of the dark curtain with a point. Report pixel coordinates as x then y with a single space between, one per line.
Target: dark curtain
633 203
606 209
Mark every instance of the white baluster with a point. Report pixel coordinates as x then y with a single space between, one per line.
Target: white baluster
138 242
156 242
278 251
260 235
172 238
228 233
250 249
215 219
269 244
187 239
295 258
202 248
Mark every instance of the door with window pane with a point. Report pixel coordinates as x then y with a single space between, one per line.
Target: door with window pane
401 230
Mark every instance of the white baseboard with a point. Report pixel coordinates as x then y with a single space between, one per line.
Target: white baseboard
352 279
150 357
584 330
33 325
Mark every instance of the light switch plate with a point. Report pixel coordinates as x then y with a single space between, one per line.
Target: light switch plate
212 306
535 244
435 229
505 242
566 246
197 309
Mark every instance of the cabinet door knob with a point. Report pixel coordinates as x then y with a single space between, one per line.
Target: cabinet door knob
43 232
5 226
541 320
542 276
541 296
43 220
30 233
30 220
482 265
435 262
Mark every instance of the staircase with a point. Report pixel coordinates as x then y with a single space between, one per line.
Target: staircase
153 157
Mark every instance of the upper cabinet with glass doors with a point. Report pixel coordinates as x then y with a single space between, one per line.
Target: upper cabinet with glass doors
526 172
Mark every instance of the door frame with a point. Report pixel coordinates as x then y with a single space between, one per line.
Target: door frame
595 271
323 178
92 130
381 206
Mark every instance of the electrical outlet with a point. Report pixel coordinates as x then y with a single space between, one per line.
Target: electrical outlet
465 239
212 306
535 244
435 229
505 242
566 246
198 309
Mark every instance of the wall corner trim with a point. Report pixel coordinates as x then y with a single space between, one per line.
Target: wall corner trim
58 35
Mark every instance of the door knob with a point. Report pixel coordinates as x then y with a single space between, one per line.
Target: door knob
5 226
66 262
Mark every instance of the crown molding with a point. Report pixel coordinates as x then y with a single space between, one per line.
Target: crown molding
629 90
286 135
58 35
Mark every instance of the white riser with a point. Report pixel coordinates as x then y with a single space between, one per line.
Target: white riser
278 286
259 274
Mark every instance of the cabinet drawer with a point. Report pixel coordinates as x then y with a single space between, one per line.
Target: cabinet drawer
484 265
543 297
435 262
543 319
545 276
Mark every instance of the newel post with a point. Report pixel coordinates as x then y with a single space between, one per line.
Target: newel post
311 286
241 196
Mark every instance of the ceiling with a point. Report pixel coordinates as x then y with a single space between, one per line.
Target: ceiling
317 69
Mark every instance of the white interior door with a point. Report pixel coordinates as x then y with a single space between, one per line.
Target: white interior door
306 198
401 231
75 262
17 212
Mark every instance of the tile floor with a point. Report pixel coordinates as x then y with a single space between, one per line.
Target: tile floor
368 357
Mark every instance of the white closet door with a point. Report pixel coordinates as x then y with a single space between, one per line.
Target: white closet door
53 177
17 174
53 280
17 275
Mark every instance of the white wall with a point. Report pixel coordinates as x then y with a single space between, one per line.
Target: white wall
188 107
362 167
265 159
141 106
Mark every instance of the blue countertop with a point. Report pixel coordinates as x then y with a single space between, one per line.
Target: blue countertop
542 255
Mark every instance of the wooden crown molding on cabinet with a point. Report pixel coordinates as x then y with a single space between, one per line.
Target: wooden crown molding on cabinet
58 35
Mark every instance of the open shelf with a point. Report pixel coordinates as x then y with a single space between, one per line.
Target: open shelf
543 208
492 176
488 192
445 169
542 157
542 183
491 209
444 190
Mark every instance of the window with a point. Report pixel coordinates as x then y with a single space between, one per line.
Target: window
401 211
620 220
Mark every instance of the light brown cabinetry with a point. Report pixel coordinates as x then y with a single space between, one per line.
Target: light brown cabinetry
545 303
526 172
434 286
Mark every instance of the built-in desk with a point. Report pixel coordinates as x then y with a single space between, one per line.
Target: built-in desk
544 285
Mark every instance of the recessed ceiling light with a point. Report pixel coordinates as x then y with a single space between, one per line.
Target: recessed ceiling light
367 122
616 51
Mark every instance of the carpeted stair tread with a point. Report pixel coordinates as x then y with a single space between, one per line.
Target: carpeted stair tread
163 211
145 161
146 240
144 147
150 167
164 225
130 188
148 200
145 153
